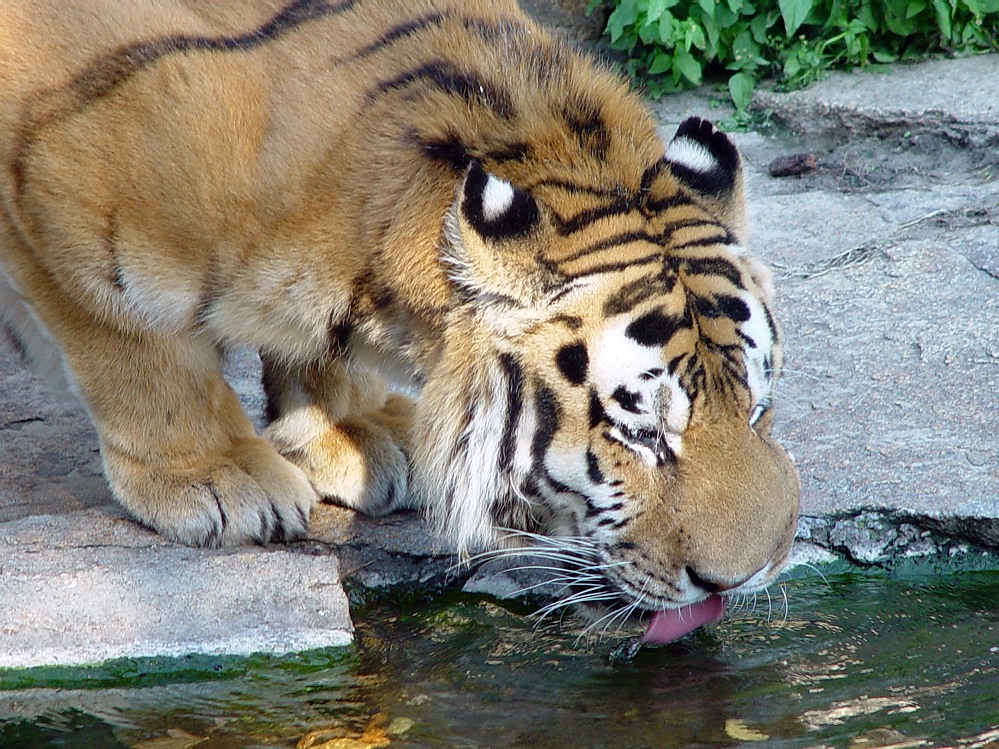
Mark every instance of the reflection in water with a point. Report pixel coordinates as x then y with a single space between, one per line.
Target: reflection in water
859 661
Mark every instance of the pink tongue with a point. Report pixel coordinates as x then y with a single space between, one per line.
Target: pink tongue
673 624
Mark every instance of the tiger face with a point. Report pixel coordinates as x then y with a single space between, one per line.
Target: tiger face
629 378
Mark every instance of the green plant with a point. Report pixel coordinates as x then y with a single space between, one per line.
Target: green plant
670 43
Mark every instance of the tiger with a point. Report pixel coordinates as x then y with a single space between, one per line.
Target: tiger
480 282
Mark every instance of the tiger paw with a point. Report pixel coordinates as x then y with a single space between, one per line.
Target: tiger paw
249 494
357 464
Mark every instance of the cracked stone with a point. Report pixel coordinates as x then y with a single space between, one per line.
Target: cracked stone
866 539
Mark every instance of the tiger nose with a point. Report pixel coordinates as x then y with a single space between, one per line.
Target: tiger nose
715 586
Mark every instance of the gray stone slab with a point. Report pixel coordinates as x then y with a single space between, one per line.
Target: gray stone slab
893 358
88 586
942 98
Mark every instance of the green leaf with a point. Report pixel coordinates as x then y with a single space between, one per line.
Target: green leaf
714 36
660 63
695 37
668 35
685 63
791 66
758 27
649 33
884 56
745 51
866 15
794 13
656 9
942 10
624 15
740 87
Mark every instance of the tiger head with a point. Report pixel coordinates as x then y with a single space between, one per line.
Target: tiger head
618 356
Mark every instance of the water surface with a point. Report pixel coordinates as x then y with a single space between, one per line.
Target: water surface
860 660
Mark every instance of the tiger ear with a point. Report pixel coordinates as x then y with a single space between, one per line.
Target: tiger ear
495 209
490 240
707 162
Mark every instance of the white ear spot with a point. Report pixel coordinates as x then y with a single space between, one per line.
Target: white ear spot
691 154
497 197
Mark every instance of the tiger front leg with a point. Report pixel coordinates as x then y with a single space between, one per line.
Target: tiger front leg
348 434
178 451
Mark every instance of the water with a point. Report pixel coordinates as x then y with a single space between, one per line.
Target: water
857 661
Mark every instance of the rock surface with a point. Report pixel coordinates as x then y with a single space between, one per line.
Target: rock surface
886 259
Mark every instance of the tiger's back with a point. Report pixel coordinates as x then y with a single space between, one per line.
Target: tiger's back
436 192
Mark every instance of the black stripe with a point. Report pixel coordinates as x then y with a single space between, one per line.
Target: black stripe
594 510
772 324
448 149
451 150
585 120
593 471
514 404
617 266
714 266
631 294
722 149
572 322
118 277
567 226
447 77
502 31
597 413
624 205
206 301
725 238
662 239
115 69
549 417
747 339
607 243
464 433
655 328
722 305
650 174
517 151
399 33
554 484
574 188
622 523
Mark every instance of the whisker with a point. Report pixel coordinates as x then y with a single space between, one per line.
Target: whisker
564 604
817 571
